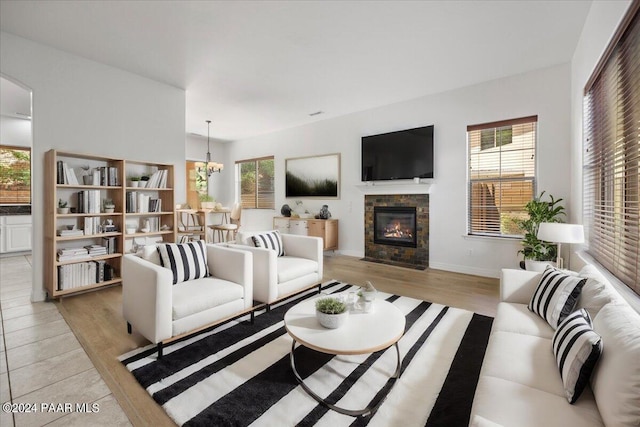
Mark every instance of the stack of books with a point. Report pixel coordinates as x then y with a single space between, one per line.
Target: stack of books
67 233
96 250
72 254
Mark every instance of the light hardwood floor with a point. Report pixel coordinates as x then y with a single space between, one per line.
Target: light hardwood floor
96 319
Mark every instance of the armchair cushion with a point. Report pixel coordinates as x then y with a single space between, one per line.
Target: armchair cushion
290 268
187 261
270 240
199 295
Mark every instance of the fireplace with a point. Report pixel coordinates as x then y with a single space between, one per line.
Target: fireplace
396 217
395 226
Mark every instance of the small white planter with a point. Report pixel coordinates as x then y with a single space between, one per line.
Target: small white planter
63 210
532 265
332 321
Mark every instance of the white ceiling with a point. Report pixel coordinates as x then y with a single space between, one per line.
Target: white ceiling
257 66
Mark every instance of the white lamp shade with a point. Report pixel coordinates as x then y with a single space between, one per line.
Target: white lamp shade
561 233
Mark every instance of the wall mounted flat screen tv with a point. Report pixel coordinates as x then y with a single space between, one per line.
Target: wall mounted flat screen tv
404 154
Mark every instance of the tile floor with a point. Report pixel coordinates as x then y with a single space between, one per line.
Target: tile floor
42 362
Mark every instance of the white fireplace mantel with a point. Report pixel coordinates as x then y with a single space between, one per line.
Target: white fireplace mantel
404 187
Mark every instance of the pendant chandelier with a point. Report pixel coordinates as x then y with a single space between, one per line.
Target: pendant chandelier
208 166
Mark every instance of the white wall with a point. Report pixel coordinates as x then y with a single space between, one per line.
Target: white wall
544 92
15 131
84 106
220 183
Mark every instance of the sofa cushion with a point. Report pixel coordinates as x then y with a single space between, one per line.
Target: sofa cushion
517 318
150 253
556 295
596 292
187 261
479 421
525 359
616 378
195 296
269 240
290 268
512 404
577 349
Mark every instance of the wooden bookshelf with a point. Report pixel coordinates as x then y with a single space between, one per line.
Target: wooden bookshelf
110 183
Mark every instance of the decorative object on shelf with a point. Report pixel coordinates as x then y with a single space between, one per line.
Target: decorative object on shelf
208 166
131 230
109 206
108 226
63 207
560 233
366 294
285 210
534 249
324 212
134 181
144 181
300 211
207 201
147 226
315 176
331 312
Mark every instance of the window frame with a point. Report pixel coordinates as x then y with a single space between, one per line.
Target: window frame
30 151
255 160
470 181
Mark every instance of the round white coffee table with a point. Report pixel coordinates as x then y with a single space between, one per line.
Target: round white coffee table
363 333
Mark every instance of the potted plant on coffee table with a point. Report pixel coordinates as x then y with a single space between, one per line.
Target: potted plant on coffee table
537 253
331 312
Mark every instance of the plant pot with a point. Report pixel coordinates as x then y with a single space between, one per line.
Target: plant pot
87 179
533 265
208 205
63 210
332 321
133 183
109 210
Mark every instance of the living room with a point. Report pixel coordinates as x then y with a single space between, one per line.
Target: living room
85 104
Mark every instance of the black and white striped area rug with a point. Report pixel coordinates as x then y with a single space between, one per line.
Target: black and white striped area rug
239 374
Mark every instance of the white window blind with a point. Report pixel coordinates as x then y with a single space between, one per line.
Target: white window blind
611 163
501 175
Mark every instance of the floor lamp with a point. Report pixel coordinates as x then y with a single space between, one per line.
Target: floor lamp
556 232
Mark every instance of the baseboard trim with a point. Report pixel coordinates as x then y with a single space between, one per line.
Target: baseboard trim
484 272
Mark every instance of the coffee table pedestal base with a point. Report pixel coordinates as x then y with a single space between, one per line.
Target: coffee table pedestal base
369 410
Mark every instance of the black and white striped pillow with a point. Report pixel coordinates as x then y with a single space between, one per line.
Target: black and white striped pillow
556 295
577 348
271 240
187 261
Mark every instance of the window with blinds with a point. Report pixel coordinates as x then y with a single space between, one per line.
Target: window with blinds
501 175
15 175
255 177
611 160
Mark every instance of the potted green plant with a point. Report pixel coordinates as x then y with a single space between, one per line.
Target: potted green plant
63 207
537 253
134 181
109 206
207 201
331 312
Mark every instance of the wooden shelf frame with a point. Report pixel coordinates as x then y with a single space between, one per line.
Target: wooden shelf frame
55 221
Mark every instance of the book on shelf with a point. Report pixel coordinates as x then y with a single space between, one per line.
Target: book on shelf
65 174
108 176
96 250
110 244
81 274
138 202
92 225
89 201
158 179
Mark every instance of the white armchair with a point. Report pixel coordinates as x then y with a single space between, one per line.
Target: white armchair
162 312
277 277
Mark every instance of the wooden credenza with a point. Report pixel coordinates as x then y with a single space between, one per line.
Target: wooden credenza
327 229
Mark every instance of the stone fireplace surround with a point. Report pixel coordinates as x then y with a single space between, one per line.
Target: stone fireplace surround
417 257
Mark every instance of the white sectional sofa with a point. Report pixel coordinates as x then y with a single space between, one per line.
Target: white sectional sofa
520 383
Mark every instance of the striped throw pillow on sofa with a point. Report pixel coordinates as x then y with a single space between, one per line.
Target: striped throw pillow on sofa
577 348
187 261
556 295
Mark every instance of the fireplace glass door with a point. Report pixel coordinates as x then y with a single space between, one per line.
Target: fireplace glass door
395 226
